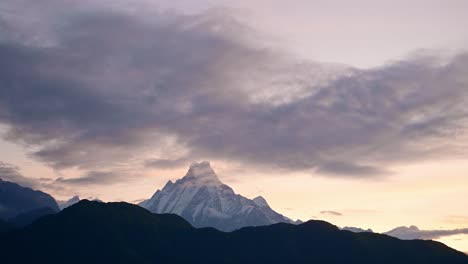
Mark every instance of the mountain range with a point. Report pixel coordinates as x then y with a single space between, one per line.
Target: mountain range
204 201
95 232
178 228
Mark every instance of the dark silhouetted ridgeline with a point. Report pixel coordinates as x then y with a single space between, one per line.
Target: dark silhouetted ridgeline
93 232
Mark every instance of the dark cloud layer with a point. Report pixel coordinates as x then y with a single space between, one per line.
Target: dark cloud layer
98 86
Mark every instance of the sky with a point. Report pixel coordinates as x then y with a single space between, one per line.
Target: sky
355 113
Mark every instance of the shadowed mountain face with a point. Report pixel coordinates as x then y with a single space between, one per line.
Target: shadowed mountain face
203 200
92 232
24 219
5 226
15 200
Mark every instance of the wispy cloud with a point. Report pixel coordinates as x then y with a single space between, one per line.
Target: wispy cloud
167 163
333 213
92 178
11 173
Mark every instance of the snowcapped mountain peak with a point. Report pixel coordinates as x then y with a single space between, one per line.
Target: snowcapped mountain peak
202 172
72 201
201 169
203 200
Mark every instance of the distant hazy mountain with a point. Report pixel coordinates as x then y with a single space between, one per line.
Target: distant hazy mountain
356 229
15 200
403 232
92 232
203 200
72 201
413 232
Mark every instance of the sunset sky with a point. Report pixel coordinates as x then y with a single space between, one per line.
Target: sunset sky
355 112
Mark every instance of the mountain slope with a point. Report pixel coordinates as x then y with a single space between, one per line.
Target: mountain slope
203 200
15 199
26 218
92 232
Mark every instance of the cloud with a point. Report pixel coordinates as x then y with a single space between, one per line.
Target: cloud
102 85
167 163
332 213
91 178
413 232
11 173
341 168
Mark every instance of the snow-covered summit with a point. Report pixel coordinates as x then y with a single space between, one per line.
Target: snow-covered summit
201 173
203 200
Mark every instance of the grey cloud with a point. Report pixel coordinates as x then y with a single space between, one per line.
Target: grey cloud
333 213
104 87
413 232
91 178
167 163
11 173
114 85
340 168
